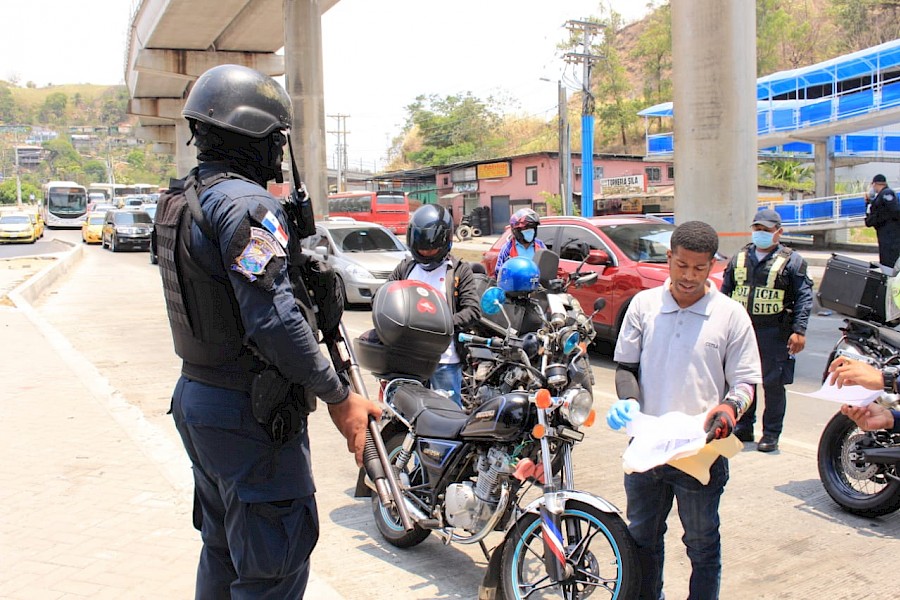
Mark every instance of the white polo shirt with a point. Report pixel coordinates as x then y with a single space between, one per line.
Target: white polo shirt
689 357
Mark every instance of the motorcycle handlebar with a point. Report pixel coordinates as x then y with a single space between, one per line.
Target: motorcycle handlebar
492 342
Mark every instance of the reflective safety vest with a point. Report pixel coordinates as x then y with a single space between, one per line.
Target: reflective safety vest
761 298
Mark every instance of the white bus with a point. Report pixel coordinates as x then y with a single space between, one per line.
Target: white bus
64 204
115 193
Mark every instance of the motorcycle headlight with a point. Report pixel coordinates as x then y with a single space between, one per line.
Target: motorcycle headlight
576 406
570 342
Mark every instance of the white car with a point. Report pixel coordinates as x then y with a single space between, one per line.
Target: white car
363 255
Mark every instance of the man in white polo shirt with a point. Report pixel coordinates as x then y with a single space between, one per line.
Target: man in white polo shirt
684 347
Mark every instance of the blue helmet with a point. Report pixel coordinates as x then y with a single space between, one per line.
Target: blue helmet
518 276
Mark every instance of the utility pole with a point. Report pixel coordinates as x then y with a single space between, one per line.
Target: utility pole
565 189
341 158
18 181
586 29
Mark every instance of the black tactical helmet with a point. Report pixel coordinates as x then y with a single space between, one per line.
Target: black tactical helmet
430 228
239 99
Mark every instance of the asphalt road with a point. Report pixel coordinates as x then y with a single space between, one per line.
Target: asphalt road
782 536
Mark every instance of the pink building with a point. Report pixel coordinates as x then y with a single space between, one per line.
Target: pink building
505 185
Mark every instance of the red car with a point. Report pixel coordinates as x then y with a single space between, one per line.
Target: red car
632 250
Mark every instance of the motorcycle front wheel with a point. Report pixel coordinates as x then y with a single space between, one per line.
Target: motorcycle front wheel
863 489
386 519
598 548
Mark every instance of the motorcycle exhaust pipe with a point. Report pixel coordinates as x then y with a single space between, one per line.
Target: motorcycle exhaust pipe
375 458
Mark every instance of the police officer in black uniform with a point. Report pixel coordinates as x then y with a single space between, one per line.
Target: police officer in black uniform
241 333
883 213
770 280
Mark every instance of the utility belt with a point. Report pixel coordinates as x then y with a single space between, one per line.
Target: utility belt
279 406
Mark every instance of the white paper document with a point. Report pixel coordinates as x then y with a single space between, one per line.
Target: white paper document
854 395
657 440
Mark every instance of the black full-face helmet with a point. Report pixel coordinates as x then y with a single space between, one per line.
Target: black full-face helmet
430 235
241 100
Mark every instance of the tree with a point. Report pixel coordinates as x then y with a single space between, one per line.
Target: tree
865 23
8 191
95 170
789 175
446 130
54 108
653 51
617 105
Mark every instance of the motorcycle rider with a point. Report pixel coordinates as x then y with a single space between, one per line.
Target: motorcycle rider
236 324
883 213
685 347
523 241
430 238
770 280
846 371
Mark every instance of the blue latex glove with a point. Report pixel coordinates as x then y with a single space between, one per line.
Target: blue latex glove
621 412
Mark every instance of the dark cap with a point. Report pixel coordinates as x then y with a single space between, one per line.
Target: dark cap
879 179
767 218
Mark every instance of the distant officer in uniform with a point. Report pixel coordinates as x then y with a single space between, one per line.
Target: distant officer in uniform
524 241
239 326
770 280
883 213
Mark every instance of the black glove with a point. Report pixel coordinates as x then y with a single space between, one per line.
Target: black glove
720 422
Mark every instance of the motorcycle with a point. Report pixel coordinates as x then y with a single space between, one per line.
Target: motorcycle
489 372
463 476
859 469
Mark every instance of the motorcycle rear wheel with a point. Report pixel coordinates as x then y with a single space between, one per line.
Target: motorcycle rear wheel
386 519
597 545
863 490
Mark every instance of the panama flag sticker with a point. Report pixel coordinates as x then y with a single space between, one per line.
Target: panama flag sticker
275 228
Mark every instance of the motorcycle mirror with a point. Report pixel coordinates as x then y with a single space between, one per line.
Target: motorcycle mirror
599 304
491 300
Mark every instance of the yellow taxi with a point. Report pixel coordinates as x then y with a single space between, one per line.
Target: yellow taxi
37 220
92 230
17 227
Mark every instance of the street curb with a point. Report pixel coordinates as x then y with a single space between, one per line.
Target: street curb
23 295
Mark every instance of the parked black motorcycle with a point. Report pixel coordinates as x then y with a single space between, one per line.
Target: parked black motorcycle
861 469
463 476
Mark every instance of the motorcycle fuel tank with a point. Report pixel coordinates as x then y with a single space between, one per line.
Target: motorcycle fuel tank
503 418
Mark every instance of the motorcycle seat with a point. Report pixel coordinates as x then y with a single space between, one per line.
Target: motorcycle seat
433 414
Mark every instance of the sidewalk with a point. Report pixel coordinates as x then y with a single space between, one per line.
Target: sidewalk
96 500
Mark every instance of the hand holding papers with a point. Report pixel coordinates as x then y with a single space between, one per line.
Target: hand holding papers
677 439
854 395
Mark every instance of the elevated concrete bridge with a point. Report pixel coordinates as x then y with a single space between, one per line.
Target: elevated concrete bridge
172 42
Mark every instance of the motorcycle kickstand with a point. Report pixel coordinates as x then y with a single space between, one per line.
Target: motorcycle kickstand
484 550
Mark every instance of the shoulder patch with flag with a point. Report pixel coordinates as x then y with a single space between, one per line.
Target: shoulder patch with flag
271 223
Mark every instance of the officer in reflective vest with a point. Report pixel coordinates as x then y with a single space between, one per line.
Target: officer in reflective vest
770 280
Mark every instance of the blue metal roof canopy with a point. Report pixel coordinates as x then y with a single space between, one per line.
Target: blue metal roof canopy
869 61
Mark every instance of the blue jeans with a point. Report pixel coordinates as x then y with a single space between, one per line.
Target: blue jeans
448 377
650 497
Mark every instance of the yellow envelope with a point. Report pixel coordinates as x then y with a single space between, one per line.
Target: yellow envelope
697 465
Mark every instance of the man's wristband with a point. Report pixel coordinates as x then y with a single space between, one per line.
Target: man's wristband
890 379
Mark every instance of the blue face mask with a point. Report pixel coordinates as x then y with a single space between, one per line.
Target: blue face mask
528 235
763 239
871 194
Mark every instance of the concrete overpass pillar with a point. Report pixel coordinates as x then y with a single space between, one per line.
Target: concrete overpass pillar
305 85
185 156
824 167
824 173
714 53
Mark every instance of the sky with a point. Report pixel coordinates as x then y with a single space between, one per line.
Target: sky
378 54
